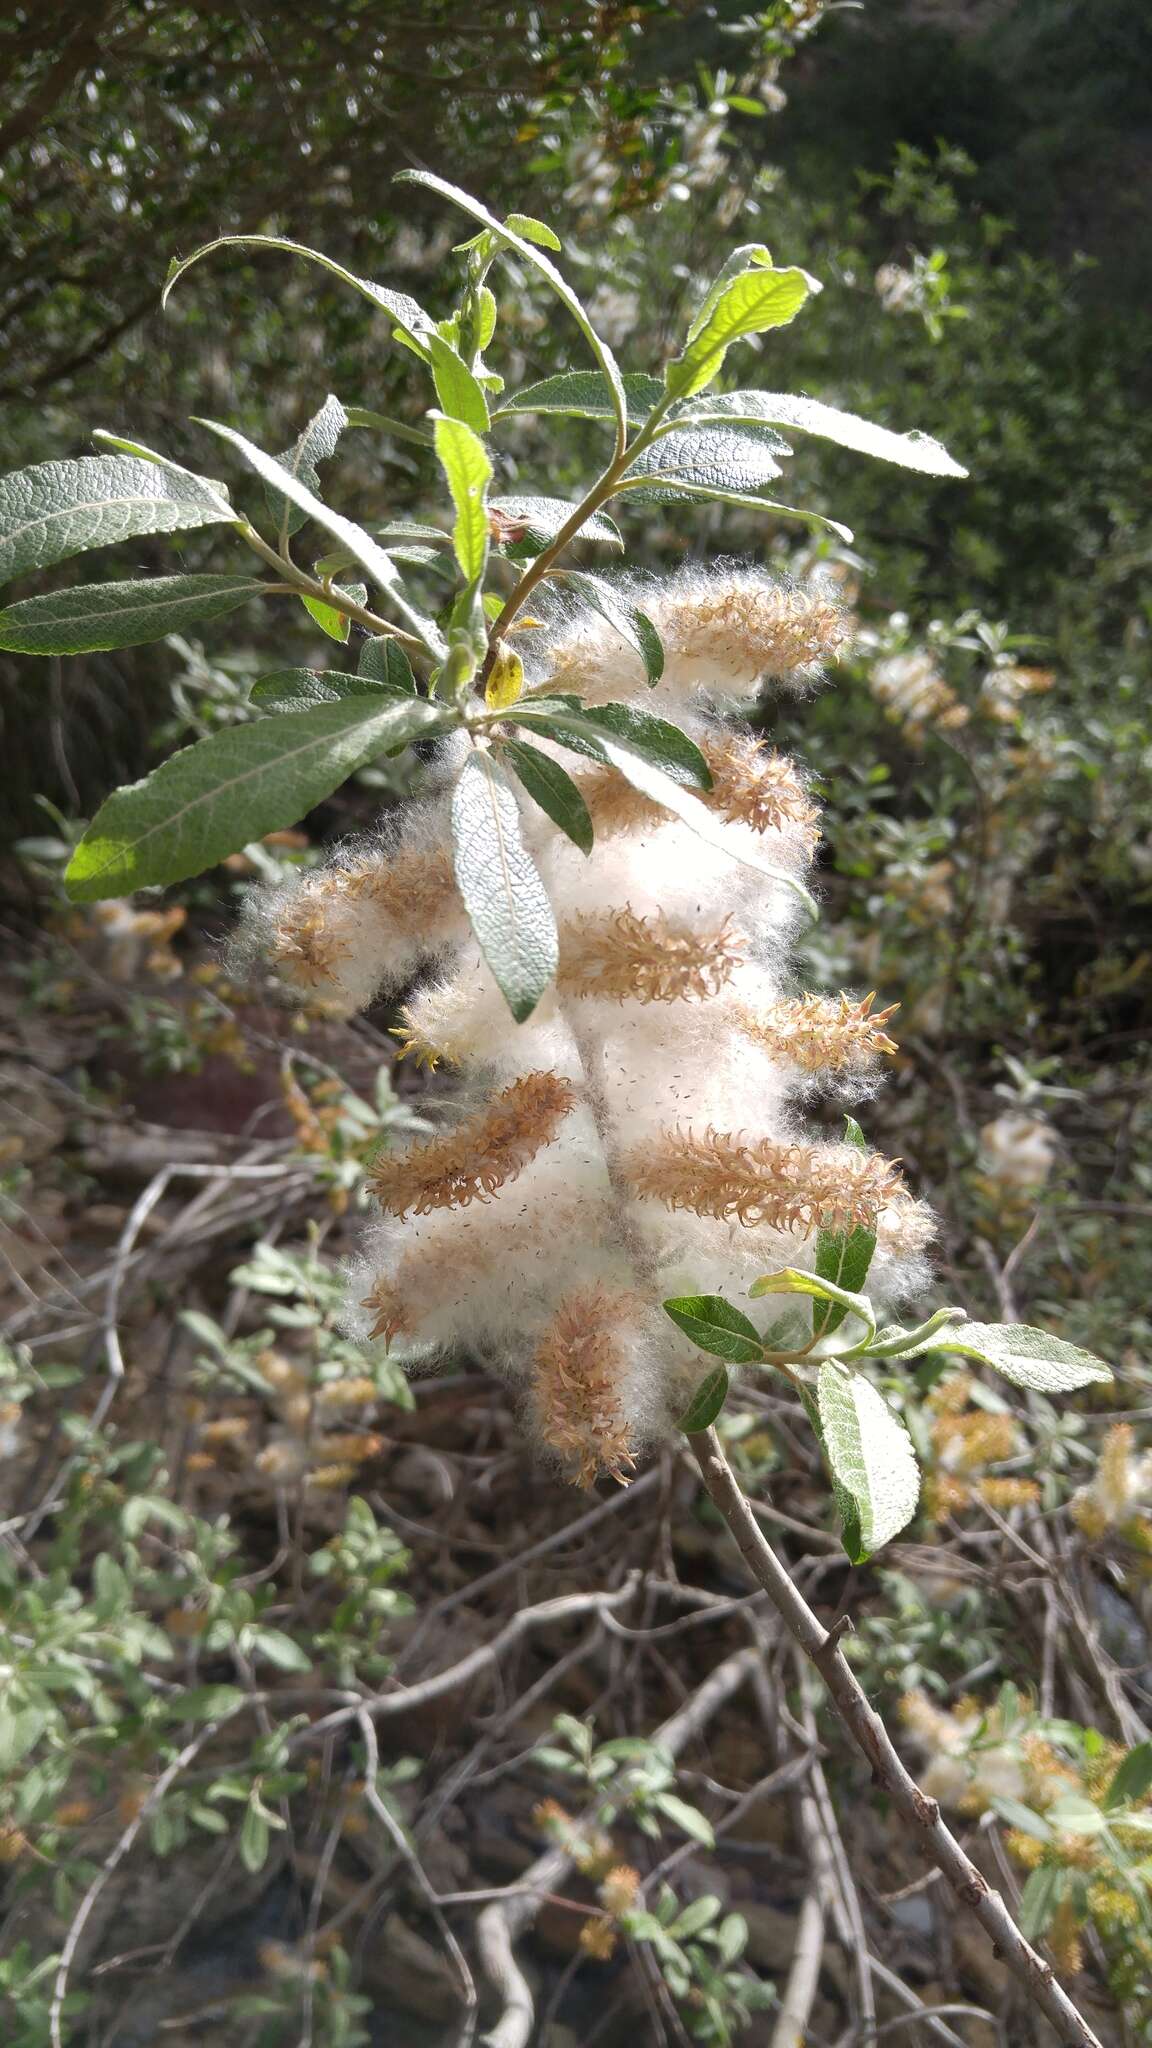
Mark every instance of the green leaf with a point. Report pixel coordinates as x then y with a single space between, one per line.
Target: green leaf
360 545
316 444
58 509
294 689
330 620
400 430
717 1327
550 785
706 1403
19 1733
547 269
236 785
541 519
1039 1900
502 890
895 1342
254 1840
870 1453
205 1703
585 394
1030 1358
699 1914
97 615
1131 1779
654 739
410 318
751 303
281 1650
383 660
791 409
533 230
686 1818
792 1280
460 396
468 468
843 1257
706 460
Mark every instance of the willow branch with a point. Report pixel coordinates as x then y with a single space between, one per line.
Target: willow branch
867 1731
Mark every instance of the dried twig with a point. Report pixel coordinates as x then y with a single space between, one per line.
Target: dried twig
870 1736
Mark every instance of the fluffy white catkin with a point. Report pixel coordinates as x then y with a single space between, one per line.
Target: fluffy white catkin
640 1136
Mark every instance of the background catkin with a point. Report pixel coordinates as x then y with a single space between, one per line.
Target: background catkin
641 1135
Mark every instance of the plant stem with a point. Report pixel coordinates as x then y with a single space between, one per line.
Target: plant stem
308 586
867 1731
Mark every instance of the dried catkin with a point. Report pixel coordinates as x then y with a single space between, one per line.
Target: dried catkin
640 1136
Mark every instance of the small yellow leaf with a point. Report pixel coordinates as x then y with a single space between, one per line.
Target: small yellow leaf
505 680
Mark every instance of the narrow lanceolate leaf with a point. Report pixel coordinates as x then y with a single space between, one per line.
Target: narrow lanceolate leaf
410 318
502 890
358 544
550 786
98 615
533 230
460 395
531 522
717 1327
532 255
384 661
294 689
633 626
1030 1358
809 416
709 458
316 444
706 1403
211 799
870 1453
586 395
654 739
58 509
751 303
795 1281
468 468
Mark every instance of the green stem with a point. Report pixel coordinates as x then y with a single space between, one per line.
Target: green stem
300 584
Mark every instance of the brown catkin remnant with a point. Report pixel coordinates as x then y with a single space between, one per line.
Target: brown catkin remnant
764 1180
577 1384
470 1163
620 954
756 626
821 1033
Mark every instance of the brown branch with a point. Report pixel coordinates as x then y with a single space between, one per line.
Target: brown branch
871 1738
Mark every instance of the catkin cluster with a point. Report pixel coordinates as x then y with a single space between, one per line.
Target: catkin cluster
642 1135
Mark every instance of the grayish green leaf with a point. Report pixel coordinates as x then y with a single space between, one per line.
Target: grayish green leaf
585 394
810 416
329 617
712 458
543 518
236 785
360 545
410 318
293 689
384 660
58 509
317 443
1030 1358
870 1453
502 890
98 615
